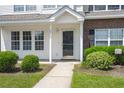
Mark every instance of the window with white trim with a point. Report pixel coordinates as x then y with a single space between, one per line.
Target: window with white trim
113 7
19 8
101 37
78 7
15 40
49 6
109 37
27 40
24 8
30 7
100 7
116 37
105 7
122 7
39 40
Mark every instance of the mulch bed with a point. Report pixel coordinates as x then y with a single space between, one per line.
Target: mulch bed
117 70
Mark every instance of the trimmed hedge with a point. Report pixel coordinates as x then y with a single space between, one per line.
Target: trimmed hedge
8 60
30 63
100 60
109 49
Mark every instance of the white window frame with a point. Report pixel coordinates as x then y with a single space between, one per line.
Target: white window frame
18 10
80 7
49 8
30 9
27 41
38 41
106 9
25 9
99 10
15 41
108 39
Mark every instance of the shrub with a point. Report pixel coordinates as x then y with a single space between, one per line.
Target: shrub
109 49
8 59
101 60
30 63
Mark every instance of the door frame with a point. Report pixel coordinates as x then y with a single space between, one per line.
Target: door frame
67 57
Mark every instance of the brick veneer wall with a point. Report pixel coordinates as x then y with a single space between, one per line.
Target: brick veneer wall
100 23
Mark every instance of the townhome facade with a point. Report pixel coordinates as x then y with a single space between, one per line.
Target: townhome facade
55 32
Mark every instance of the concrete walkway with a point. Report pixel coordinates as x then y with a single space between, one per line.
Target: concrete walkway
59 77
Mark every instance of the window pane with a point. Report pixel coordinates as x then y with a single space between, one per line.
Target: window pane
27 40
116 43
49 6
78 7
39 40
116 33
101 34
15 43
90 8
100 7
30 7
18 8
101 43
113 7
122 6
59 6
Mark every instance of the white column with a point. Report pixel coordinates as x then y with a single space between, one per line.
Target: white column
123 37
81 41
50 43
2 40
108 37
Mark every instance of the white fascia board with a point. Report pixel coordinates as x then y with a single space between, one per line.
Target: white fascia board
104 17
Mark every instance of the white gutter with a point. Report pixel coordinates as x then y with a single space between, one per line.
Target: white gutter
104 17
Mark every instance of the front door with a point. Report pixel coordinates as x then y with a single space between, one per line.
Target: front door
68 43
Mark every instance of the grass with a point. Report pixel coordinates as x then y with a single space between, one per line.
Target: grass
23 80
90 80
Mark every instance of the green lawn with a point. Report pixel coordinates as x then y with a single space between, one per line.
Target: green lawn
87 80
23 80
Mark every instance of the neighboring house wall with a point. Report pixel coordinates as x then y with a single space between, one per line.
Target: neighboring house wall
98 24
9 9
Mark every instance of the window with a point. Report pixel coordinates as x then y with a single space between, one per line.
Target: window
30 7
113 7
24 8
101 34
101 43
18 8
78 7
59 6
15 43
116 37
100 7
90 8
39 40
106 37
101 37
122 7
49 6
27 40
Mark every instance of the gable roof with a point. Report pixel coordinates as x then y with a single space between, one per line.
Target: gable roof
79 16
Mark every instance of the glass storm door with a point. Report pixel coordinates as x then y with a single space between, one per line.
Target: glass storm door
68 43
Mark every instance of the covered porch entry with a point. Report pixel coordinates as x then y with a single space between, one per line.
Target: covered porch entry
66 35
